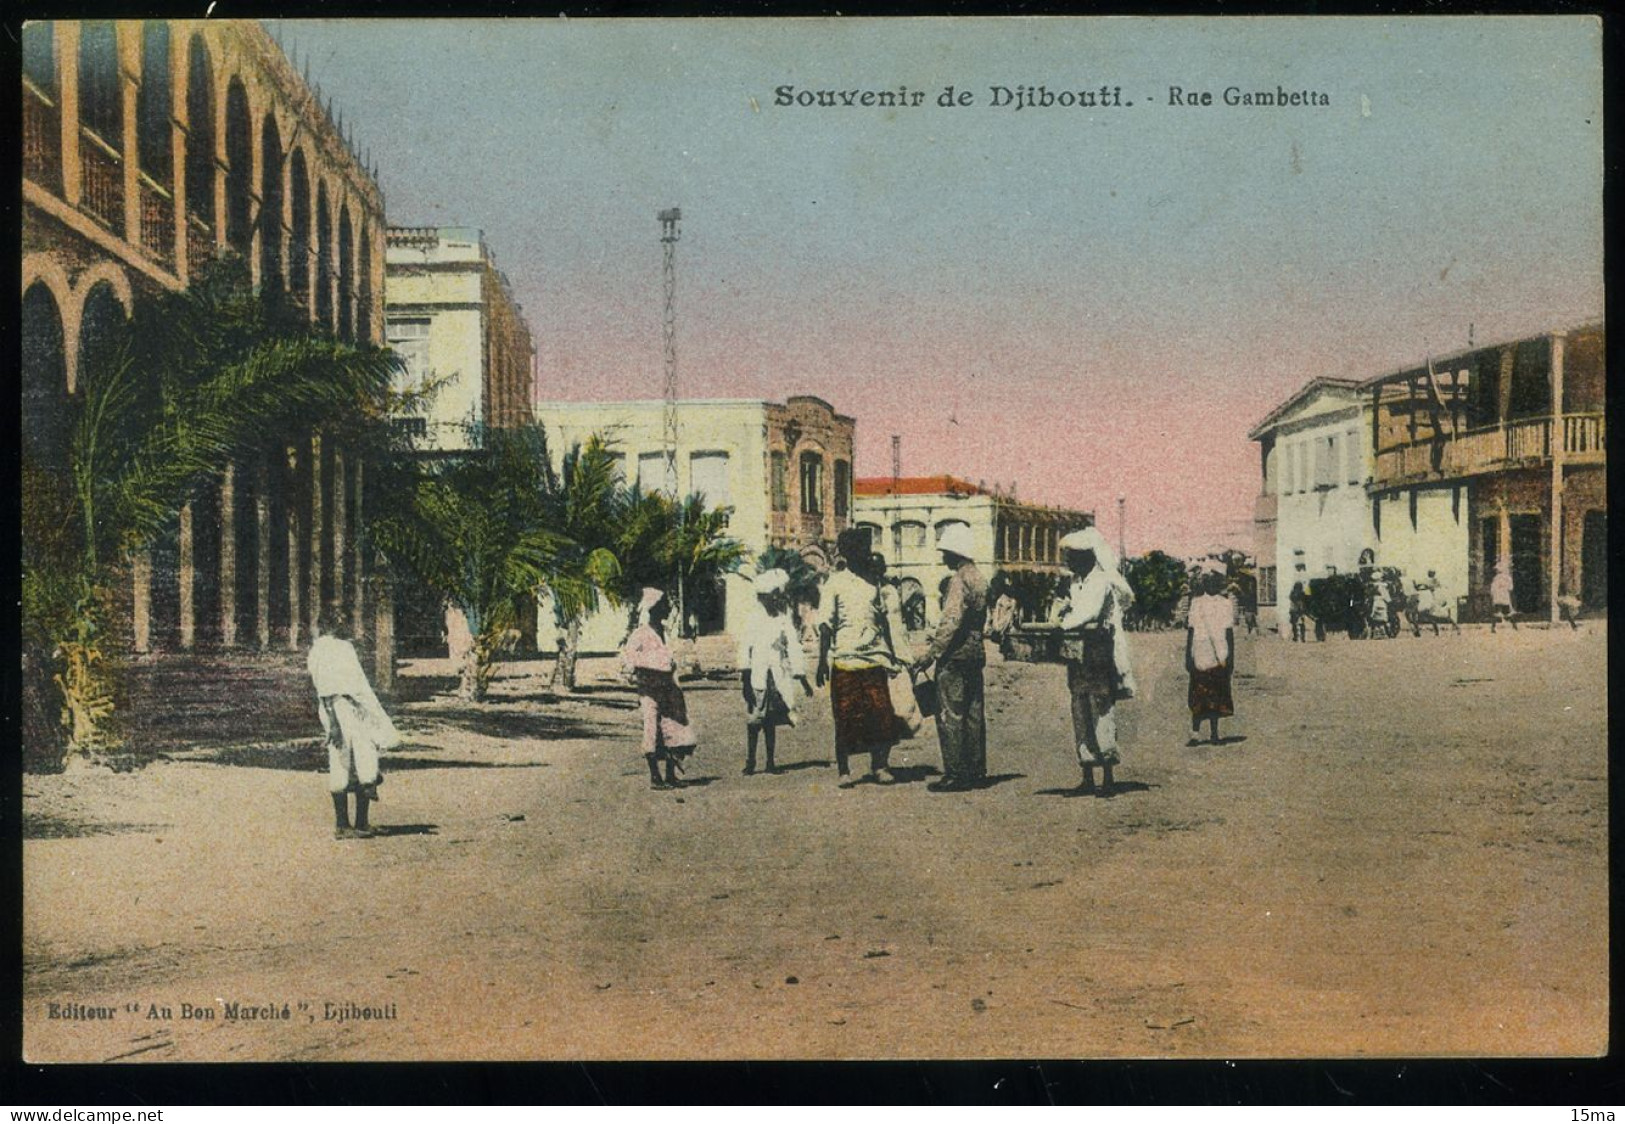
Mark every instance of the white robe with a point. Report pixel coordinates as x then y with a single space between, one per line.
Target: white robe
771 643
345 697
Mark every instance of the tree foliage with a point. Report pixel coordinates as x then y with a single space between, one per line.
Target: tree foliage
193 380
1158 581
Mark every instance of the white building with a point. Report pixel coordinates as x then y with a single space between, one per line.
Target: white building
784 468
1312 517
906 516
451 317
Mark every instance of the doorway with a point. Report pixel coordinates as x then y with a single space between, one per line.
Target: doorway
1594 561
1528 575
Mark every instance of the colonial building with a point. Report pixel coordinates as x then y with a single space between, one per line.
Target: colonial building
785 468
1311 517
1492 456
905 516
149 148
452 317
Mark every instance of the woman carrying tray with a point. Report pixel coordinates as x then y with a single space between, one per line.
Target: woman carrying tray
1097 661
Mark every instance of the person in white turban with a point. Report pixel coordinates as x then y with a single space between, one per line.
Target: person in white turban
1092 607
1210 653
957 650
356 726
772 664
668 736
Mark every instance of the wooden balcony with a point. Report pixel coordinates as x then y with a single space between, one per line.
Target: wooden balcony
42 139
157 221
102 194
1518 444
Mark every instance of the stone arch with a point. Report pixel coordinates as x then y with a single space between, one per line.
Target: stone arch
155 103
239 168
324 257
200 131
271 197
346 310
299 226
44 376
101 316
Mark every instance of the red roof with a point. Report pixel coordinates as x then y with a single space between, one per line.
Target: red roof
916 486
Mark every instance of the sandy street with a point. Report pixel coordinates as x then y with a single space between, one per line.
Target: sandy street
1400 849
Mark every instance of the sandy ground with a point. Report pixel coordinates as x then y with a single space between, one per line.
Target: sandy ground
1400 849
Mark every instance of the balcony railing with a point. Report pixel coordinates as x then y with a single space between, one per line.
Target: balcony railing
42 139
199 245
103 193
157 221
1583 437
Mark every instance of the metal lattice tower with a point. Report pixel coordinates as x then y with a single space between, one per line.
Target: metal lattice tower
668 240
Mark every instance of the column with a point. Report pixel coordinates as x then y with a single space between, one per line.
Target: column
383 636
338 605
313 604
359 609
131 153
65 33
291 496
228 557
1556 444
179 140
141 613
262 553
187 576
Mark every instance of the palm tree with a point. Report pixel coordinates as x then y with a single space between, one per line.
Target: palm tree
697 549
195 378
477 529
589 507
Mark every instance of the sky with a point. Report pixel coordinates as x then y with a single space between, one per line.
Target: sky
1082 303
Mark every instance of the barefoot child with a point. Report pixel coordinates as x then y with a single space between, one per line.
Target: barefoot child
772 665
667 735
1210 655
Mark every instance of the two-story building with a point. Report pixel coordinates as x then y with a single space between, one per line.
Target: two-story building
784 468
149 148
905 516
1312 516
453 319
1497 456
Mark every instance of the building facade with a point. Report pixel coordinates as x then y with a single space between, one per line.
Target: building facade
151 147
906 516
453 318
785 468
1312 517
1494 456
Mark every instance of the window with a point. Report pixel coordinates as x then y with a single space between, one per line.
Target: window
1326 476
1351 445
200 156
843 488
908 535
651 473
409 338
812 484
39 55
781 481
153 101
1266 585
876 541
708 477
617 467
101 107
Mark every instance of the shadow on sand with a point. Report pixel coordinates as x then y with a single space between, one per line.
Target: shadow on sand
382 830
1099 791
489 721
311 757
1228 739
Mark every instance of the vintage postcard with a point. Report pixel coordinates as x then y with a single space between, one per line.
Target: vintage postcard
834 538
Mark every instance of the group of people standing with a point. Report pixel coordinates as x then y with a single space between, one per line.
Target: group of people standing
879 686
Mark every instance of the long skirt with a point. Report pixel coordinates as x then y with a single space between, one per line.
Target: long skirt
352 747
864 719
1210 694
961 726
773 712
1094 724
666 728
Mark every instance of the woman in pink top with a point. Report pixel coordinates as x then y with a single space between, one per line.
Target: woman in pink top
667 735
